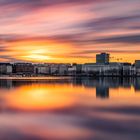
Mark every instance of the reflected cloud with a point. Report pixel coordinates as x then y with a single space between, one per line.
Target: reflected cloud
57 108
45 93
37 98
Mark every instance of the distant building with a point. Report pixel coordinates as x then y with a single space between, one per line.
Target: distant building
6 68
63 69
137 63
102 67
92 69
54 69
114 69
72 70
23 68
127 69
111 69
75 69
78 68
42 69
137 67
102 58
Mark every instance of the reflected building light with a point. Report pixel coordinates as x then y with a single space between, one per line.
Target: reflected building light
137 84
7 84
102 92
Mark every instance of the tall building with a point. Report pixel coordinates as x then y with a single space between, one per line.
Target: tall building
102 58
137 63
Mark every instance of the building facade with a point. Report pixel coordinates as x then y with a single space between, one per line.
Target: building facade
23 68
102 58
6 68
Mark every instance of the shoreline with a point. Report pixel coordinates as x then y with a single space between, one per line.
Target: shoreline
55 77
34 77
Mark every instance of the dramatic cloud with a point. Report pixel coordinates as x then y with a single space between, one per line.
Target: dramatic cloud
122 39
80 25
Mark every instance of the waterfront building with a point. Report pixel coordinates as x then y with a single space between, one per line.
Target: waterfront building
78 68
137 67
72 70
102 58
23 68
42 69
127 69
63 69
54 69
6 68
75 69
111 69
92 69
137 63
102 67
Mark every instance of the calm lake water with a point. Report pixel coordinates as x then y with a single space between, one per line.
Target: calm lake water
70 109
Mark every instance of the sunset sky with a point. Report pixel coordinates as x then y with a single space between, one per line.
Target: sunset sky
67 31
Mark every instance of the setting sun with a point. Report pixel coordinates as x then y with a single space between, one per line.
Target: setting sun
36 56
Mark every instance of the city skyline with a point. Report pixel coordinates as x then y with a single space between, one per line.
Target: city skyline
102 58
67 31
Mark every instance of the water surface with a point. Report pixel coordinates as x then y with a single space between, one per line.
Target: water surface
70 109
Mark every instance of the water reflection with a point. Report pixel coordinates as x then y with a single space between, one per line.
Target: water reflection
102 92
70 109
102 85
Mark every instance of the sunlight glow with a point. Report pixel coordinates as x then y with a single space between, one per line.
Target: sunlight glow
39 98
37 56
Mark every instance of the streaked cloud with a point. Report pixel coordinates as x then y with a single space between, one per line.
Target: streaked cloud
76 26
